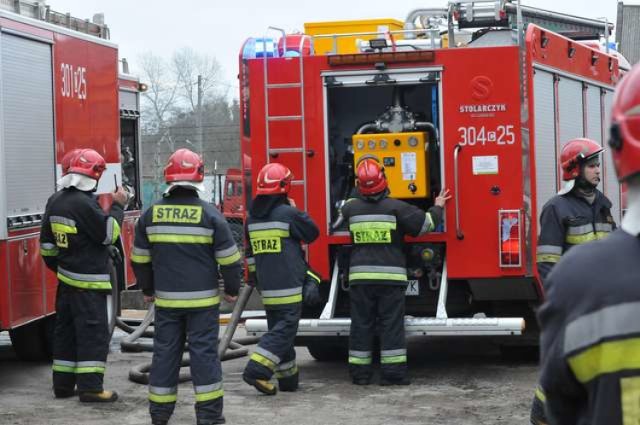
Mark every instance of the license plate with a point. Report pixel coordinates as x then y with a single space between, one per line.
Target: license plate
413 289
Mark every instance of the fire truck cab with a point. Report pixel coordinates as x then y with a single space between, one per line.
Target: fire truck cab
60 88
475 97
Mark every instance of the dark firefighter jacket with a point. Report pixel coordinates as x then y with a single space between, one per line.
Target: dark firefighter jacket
569 220
180 241
377 227
274 252
590 345
75 236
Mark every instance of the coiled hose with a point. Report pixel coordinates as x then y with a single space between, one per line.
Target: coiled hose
228 347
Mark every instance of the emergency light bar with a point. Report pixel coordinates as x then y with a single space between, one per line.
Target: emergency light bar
373 58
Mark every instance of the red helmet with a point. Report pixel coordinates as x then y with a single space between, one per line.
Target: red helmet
88 163
274 179
66 160
625 125
370 177
576 152
184 165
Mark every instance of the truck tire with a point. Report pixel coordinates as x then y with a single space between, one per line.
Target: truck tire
29 342
324 351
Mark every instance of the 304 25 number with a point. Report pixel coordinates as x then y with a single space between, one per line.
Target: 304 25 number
502 135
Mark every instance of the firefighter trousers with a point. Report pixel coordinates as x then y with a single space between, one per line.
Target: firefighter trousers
377 309
276 353
200 328
81 339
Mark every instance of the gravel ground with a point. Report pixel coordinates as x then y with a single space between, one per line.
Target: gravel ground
455 381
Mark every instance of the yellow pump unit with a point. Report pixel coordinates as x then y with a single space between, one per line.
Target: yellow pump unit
404 156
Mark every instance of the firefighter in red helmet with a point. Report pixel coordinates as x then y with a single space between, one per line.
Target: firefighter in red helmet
589 321
275 231
75 242
580 213
180 244
377 272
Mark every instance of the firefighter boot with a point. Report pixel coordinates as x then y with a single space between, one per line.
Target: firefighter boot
398 381
98 397
220 420
64 392
159 422
262 385
290 383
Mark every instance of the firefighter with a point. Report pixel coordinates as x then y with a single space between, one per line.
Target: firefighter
589 322
580 213
377 272
276 261
74 242
179 243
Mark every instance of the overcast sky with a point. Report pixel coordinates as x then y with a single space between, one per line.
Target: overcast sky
220 27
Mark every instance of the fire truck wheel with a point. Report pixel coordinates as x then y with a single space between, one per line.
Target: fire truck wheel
29 342
113 299
323 351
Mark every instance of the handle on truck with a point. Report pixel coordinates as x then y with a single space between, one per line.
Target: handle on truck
456 190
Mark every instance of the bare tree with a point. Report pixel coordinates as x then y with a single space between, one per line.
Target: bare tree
161 94
187 65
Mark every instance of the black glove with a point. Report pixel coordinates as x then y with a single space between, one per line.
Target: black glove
115 254
311 289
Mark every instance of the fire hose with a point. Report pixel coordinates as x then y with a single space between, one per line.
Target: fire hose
228 347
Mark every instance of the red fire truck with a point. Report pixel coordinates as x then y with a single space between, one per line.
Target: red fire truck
475 97
60 89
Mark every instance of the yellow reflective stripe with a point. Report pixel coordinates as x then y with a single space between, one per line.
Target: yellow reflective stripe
372 225
360 360
116 231
140 259
540 395
63 228
64 369
195 303
168 398
287 373
259 358
211 395
90 369
49 252
291 299
225 261
83 284
393 359
377 276
313 276
191 214
629 396
269 233
606 357
602 235
580 239
547 258
252 267
159 237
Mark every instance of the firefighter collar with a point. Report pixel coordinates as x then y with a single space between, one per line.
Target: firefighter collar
568 185
631 220
187 185
80 182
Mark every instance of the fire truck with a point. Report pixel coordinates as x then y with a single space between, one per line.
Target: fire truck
475 97
60 89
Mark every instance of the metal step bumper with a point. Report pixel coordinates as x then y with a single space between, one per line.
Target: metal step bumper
415 326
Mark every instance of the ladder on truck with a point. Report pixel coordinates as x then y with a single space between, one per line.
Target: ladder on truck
42 12
283 90
504 13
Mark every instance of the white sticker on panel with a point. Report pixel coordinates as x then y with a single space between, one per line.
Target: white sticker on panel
409 162
483 165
